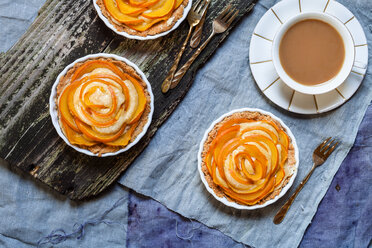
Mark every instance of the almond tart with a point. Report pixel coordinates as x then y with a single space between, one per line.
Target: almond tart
248 158
103 105
142 18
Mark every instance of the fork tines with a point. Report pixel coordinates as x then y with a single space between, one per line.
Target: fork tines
200 6
197 3
326 148
228 16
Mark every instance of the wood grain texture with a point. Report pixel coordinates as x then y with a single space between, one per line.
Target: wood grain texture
63 32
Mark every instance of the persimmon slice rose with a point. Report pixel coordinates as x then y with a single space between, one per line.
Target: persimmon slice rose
140 15
246 159
101 104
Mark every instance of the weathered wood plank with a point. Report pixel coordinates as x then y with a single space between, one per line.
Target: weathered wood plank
63 32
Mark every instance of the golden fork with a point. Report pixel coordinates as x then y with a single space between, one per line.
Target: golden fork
320 155
193 18
220 25
196 35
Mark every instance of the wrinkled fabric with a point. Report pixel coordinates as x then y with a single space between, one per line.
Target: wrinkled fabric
29 211
167 169
150 224
15 18
344 217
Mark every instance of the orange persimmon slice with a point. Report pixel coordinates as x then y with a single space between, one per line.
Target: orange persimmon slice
267 131
113 97
237 177
70 98
162 8
252 198
279 176
64 109
94 64
148 3
113 9
88 103
148 23
257 166
129 9
142 100
72 108
125 138
283 139
98 78
137 2
74 137
178 3
233 122
217 143
90 133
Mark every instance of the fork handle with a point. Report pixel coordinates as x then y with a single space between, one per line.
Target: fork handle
181 72
196 36
284 209
168 80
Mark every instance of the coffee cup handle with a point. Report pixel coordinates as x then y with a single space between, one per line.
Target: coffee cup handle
360 65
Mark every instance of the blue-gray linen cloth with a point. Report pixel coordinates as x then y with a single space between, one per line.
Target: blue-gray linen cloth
167 169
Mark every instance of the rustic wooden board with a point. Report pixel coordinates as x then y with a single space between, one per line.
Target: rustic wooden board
63 32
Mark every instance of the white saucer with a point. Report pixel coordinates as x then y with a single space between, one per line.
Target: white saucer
265 74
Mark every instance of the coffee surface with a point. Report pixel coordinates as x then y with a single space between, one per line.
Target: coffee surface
311 52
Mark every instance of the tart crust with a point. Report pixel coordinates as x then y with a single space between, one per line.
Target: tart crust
102 148
289 166
158 28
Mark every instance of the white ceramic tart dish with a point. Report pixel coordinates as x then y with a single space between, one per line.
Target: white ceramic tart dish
143 122
266 76
175 25
219 127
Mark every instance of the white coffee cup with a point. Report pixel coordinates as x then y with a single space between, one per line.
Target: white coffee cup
346 66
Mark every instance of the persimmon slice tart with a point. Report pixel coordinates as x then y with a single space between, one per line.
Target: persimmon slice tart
142 17
103 105
248 158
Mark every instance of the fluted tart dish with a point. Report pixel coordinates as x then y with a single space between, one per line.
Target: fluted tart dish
248 158
101 104
142 19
